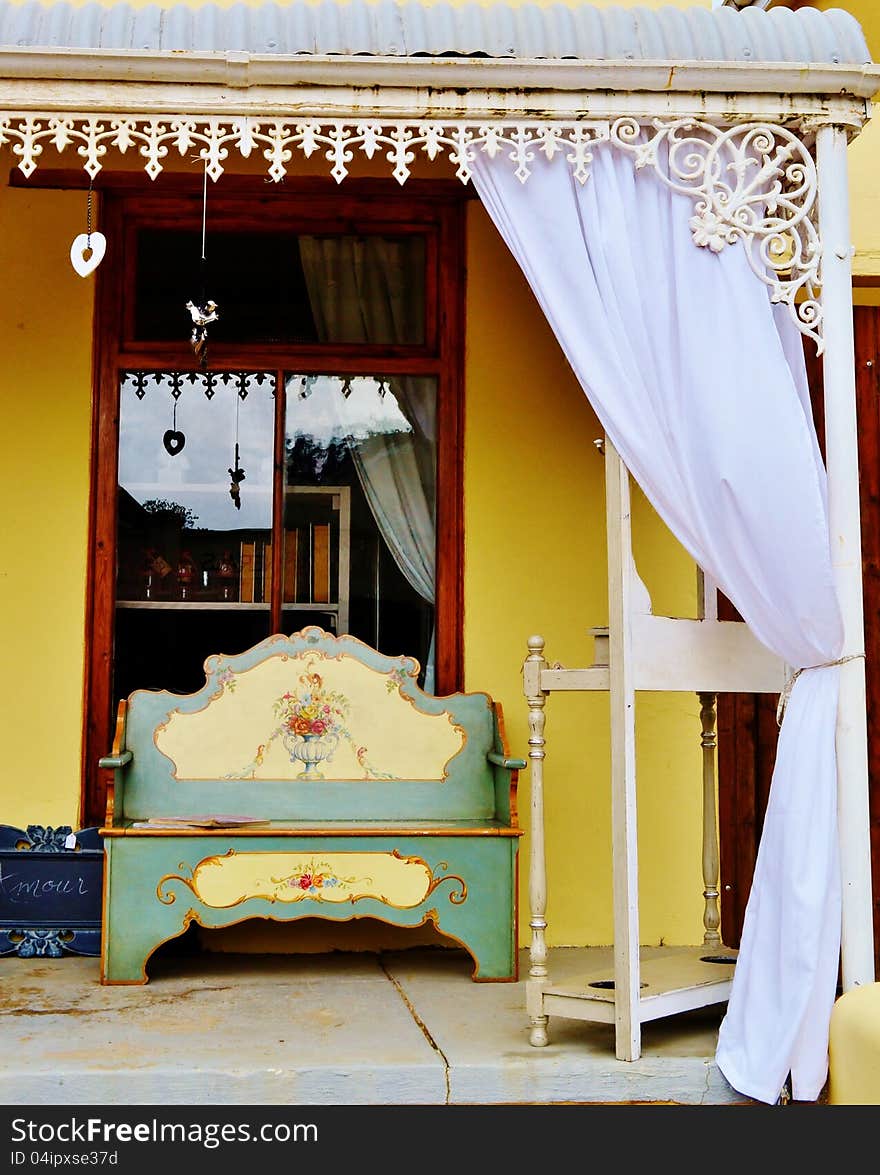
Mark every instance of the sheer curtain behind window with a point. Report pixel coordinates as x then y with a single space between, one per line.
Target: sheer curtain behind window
370 290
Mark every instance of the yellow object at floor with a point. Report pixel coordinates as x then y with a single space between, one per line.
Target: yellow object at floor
854 1048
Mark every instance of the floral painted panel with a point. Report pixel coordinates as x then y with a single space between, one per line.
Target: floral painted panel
222 882
310 717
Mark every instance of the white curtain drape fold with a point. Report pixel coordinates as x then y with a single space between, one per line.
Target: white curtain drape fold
701 388
363 290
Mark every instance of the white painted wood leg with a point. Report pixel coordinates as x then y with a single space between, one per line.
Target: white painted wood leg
538 974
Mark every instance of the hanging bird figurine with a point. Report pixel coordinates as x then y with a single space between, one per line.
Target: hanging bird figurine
201 316
237 475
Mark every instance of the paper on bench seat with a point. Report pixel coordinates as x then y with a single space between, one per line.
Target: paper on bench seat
198 822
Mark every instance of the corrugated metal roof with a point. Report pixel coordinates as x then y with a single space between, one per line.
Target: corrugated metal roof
390 29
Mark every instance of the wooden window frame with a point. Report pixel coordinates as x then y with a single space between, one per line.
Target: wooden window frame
433 208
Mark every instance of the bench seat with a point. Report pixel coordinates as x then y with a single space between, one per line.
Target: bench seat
334 828
403 809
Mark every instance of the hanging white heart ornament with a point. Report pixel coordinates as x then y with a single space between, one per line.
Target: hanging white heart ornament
87 252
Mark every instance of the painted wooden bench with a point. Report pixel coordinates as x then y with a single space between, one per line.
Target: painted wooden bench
374 799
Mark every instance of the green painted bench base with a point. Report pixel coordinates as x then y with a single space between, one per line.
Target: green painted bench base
158 884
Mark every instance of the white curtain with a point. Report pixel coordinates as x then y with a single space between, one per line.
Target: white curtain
702 390
362 290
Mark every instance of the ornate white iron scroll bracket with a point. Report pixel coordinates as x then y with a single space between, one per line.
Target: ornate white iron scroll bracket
752 183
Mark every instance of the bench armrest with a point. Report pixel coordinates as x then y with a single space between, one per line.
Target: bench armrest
503 761
114 762
505 771
118 758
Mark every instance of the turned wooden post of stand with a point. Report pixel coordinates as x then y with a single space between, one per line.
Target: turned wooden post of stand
711 892
707 609
536 699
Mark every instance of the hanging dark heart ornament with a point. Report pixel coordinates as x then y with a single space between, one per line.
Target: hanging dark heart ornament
173 441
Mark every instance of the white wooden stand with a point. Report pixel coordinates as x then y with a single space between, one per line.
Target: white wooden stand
638 651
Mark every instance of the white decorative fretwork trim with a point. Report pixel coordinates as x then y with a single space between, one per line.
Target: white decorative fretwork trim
212 139
752 182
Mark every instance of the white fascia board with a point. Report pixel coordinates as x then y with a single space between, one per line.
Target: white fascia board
41 99
238 70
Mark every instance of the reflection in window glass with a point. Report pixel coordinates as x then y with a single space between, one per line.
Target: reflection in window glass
188 557
195 477
360 555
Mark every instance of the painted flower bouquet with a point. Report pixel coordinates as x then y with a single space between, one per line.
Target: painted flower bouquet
311 722
315 710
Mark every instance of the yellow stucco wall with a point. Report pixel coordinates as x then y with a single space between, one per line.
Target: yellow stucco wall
864 157
534 563
864 153
45 395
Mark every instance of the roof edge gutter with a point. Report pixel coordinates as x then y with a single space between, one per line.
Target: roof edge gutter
239 70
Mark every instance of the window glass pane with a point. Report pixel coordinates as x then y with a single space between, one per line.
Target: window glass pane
255 278
193 572
360 506
280 287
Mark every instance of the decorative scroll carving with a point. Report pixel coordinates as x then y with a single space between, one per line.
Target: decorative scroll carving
206 381
753 183
39 943
45 839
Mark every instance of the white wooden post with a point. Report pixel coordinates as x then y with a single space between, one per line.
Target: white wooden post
624 841
842 460
711 892
707 609
536 699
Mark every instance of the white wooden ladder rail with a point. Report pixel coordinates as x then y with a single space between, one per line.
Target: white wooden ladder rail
638 651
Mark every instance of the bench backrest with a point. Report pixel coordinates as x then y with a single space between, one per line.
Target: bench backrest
311 727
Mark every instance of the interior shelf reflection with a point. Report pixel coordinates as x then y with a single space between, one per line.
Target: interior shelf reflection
224 605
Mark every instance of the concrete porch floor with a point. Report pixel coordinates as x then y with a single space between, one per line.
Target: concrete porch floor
407 1027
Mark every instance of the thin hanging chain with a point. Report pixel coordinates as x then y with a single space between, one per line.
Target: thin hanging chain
89 215
203 266
204 210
